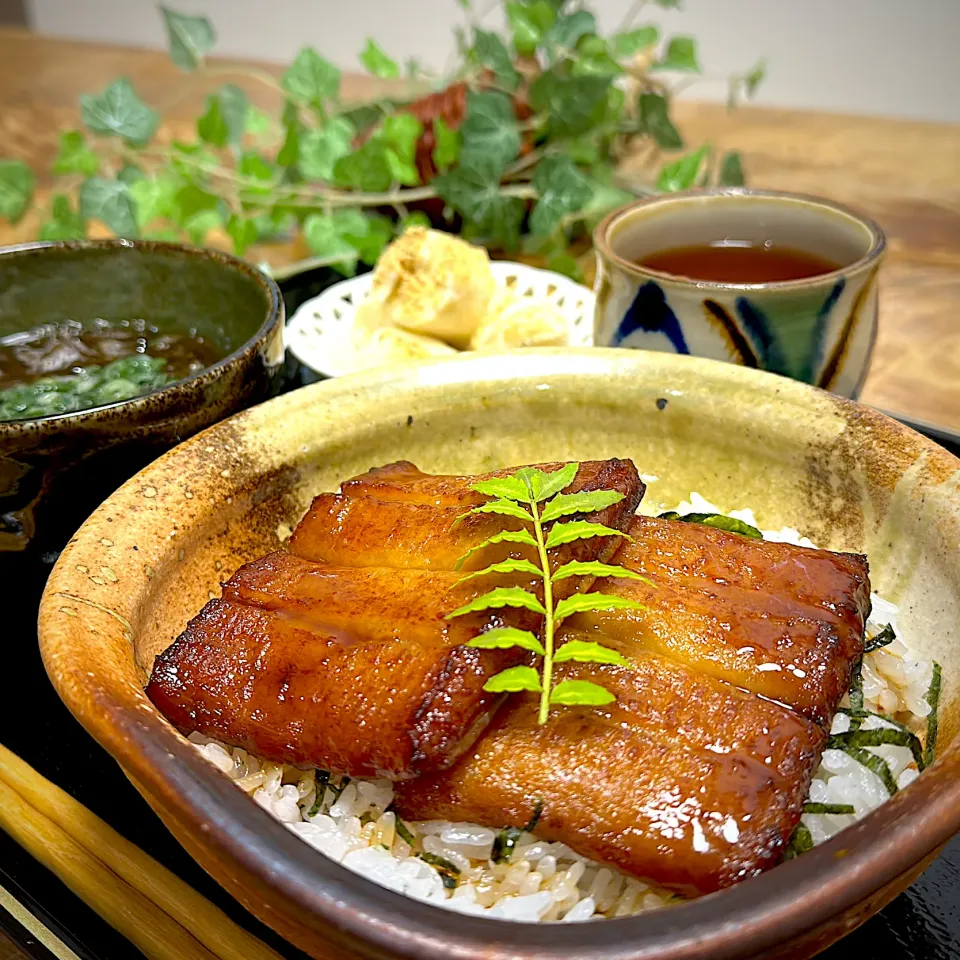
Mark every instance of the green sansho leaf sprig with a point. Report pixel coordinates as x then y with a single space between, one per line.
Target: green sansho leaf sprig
548 108
534 496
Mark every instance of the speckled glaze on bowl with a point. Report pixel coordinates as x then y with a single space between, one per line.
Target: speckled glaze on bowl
55 470
152 555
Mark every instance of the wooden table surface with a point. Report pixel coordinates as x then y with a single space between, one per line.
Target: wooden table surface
905 174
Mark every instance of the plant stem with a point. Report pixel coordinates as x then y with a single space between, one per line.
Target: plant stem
548 626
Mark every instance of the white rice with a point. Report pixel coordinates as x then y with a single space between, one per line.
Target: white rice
548 881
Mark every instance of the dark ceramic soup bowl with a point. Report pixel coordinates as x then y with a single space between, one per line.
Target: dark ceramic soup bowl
54 470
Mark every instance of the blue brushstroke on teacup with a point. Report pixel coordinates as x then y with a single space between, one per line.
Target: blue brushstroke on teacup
650 313
790 340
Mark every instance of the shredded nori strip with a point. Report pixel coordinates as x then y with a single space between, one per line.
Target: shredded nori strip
875 738
856 687
719 521
448 872
339 788
933 698
836 808
506 840
882 639
404 832
321 778
800 842
864 713
875 764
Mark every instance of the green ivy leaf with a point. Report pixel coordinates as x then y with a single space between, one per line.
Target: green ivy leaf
500 597
74 155
507 488
365 169
254 166
257 123
563 190
234 106
201 223
16 189
595 59
586 501
110 202
324 236
731 170
569 28
367 233
567 265
211 125
655 120
633 41
401 132
548 483
130 173
513 680
118 111
754 77
584 602
682 173
321 149
584 651
416 219
490 129
473 189
491 51
289 153
505 508
242 232
153 198
505 566
603 199
505 536
593 568
311 79
503 638
580 693
573 104
561 533
529 22
188 38
446 151
377 62
190 200
65 223
681 54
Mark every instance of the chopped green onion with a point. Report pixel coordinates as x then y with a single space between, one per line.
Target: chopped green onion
800 842
321 778
339 788
876 738
836 808
506 840
448 872
403 831
719 521
883 638
933 698
535 819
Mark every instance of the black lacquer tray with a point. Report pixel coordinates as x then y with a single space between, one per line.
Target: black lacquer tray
45 920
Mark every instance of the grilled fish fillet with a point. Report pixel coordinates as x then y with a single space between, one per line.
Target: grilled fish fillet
338 654
684 781
776 619
695 778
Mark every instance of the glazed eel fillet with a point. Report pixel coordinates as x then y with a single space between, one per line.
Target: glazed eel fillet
696 777
336 653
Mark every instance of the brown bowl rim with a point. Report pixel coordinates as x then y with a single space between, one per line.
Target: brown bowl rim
78 418
873 255
759 914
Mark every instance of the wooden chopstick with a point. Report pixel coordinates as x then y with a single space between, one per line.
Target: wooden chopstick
165 917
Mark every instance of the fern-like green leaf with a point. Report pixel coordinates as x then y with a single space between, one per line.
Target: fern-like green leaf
581 602
505 566
586 501
593 568
507 488
561 533
513 680
504 507
502 638
548 484
585 651
500 597
505 536
572 693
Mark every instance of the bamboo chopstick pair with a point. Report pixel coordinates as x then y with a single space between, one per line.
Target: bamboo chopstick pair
165 918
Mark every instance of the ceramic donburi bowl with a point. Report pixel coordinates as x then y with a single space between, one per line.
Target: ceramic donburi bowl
151 556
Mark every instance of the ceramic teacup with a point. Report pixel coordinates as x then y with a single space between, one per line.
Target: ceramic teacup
818 329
